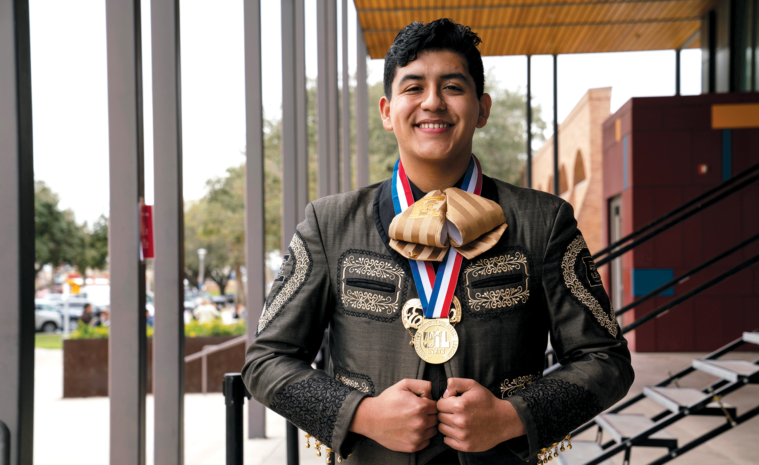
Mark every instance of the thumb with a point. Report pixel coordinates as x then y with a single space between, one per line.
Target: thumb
458 386
418 386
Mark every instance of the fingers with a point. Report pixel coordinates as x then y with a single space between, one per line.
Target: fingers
417 386
429 433
449 431
458 386
450 405
429 407
456 444
447 419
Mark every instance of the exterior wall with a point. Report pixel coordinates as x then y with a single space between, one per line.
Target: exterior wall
667 139
579 139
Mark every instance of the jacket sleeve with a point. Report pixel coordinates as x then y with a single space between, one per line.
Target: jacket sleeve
595 369
277 370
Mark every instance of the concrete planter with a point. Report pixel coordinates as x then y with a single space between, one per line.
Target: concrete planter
85 365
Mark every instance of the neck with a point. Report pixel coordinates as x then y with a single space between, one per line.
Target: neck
430 175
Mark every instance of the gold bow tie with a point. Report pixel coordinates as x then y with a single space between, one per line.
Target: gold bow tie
468 222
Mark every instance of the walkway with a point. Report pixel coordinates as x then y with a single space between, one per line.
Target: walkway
75 431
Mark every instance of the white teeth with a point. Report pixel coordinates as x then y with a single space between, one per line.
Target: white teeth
434 126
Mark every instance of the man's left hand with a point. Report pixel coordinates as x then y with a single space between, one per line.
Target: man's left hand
473 419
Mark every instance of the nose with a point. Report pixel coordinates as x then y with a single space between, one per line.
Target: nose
433 100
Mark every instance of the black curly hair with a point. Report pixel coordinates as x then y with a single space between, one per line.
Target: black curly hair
441 34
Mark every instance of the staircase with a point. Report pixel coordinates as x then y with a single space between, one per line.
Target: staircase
626 431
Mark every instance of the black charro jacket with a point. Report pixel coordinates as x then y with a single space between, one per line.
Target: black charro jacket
537 282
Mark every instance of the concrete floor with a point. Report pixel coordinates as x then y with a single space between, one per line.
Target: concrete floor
76 431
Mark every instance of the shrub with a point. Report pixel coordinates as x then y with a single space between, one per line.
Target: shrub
191 329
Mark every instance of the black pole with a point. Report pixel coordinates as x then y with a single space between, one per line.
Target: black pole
555 127
677 71
234 398
292 444
528 171
5 445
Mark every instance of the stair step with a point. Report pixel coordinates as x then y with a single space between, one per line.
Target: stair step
677 399
751 337
582 452
622 427
730 370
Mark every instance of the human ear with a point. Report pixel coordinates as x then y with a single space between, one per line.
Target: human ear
384 108
485 103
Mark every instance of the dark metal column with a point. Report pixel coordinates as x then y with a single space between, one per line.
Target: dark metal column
362 114
289 133
325 169
332 98
168 339
16 235
345 117
301 111
528 168
555 126
255 260
127 340
677 71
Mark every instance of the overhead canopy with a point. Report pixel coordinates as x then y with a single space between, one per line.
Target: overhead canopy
537 27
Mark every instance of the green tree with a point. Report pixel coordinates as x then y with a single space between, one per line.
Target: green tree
59 240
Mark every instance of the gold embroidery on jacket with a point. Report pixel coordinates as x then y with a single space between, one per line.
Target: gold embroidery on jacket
582 294
302 262
497 298
509 388
354 384
367 300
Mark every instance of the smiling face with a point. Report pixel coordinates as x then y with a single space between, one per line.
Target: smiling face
434 108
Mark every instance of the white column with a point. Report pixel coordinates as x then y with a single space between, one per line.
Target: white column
127 341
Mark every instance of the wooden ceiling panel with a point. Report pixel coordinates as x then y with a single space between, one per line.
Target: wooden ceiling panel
519 27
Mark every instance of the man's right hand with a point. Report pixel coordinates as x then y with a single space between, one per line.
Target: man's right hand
403 418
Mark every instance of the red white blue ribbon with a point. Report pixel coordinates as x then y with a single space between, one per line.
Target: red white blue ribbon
435 289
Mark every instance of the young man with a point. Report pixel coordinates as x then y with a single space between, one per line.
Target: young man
483 271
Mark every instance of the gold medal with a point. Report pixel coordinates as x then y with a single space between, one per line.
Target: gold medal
436 341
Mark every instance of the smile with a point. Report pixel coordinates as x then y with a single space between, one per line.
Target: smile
434 125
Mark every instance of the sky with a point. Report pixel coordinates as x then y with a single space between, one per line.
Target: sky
70 95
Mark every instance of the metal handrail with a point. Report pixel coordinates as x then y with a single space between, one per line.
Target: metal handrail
611 256
683 277
212 349
677 210
673 303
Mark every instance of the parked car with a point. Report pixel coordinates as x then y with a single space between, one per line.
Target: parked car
47 318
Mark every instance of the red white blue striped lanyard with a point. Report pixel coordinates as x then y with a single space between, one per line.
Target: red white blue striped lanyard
435 292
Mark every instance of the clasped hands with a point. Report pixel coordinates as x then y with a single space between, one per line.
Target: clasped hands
404 417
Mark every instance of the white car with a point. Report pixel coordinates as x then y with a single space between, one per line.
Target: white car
47 318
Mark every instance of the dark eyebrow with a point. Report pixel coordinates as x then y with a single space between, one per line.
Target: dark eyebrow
454 76
410 77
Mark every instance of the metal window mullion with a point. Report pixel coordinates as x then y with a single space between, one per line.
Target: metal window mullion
289 133
168 339
254 192
362 115
127 342
345 117
555 126
301 111
16 234
333 98
322 98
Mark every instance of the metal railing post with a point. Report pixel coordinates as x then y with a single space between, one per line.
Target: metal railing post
5 444
234 398
293 456
204 371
